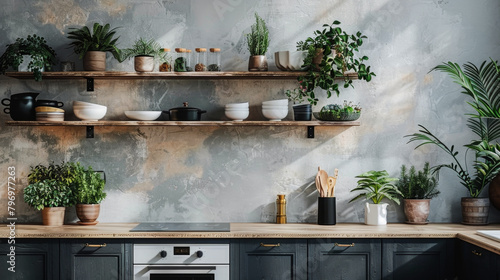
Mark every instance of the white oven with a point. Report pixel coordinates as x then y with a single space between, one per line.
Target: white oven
179 261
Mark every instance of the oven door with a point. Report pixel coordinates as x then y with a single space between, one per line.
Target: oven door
181 272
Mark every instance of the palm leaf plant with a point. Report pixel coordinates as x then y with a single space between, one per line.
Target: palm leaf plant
375 186
101 38
143 47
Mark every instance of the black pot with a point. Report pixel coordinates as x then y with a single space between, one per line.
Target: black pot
49 103
302 112
185 113
21 106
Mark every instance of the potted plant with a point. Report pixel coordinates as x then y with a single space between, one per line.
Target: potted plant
33 53
91 46
301 112
144 53
335 112
89 193
49 190
481 84
417 189
331 56
375 186
258 42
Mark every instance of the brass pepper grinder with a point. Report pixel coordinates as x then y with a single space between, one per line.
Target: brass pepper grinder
281 209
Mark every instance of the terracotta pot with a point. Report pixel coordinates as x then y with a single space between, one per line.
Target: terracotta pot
94 61
318 58
475 211
88 213
53 216
376 214
257 63
417 210
494 192
144 63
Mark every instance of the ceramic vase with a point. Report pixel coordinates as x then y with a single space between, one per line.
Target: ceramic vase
376 214
94 61
416 210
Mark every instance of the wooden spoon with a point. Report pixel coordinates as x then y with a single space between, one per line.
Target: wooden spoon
332 181
318 183
323 176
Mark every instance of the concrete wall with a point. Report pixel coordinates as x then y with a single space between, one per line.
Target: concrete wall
234 173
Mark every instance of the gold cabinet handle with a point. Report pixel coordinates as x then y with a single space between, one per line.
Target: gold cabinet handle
476 253
269 245
343 245
95 245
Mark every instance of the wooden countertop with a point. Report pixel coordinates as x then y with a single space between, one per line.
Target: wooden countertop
266 230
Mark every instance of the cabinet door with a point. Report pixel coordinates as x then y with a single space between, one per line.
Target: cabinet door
32 259
95 259
273 259
344 259
476 263
418 259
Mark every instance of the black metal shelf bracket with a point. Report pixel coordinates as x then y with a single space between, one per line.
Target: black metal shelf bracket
90 84
310 132
90 131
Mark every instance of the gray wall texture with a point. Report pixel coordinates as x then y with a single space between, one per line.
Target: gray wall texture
233 174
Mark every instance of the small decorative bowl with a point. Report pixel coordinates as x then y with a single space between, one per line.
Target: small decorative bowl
342 116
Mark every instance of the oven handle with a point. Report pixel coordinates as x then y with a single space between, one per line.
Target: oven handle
155 269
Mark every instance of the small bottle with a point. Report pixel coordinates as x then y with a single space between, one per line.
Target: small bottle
180 60
166 66
214 60
281 209
201 60
189 61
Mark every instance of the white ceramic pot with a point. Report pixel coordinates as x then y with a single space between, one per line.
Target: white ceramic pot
23 67
376 214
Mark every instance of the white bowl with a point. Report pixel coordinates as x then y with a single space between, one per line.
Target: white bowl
237 115
237 105
283 58
90 114
275 114
143 115
86 104
296 60
276 102
277 62
275 106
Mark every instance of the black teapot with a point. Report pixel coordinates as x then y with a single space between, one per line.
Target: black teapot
21 106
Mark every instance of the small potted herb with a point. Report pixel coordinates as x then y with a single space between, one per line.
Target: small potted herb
91 46
49 190
331 56
32 51
144 53
375 186
258 42
417 189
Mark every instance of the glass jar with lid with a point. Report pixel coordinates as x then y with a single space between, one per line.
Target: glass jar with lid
201 60
166 61
189 61
180 60
214 60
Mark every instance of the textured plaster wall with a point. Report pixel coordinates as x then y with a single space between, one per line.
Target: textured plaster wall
233 174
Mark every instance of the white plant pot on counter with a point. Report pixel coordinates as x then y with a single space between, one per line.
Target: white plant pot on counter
376 214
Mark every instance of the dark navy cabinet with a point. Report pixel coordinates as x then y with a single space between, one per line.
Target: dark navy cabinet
95 259
32 259
477 263
272 259
418 259
344 259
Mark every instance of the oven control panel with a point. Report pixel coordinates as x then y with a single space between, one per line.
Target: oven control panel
181 254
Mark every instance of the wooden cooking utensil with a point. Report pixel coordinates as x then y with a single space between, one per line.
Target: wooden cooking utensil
332 181
318 183
323 176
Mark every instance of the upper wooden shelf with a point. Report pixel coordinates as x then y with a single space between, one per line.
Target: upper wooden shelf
163 75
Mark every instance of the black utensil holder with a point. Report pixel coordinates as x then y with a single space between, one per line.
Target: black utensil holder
327 212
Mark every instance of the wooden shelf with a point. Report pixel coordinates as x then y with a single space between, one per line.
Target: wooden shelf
91 124
163 75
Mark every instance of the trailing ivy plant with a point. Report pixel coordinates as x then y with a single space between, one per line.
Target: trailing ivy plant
258 38
336 51
42 55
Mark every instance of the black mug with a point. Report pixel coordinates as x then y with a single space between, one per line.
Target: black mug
327 212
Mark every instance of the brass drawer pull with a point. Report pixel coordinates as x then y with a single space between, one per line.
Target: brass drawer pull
343 245
95 245
269 245
476 253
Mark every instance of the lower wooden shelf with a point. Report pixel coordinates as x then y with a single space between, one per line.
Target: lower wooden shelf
91 124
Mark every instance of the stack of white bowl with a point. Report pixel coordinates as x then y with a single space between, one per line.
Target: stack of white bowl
275 110
237 111
86 111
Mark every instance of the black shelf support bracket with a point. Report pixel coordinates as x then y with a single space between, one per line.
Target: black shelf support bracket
310 132
90 84
90 131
